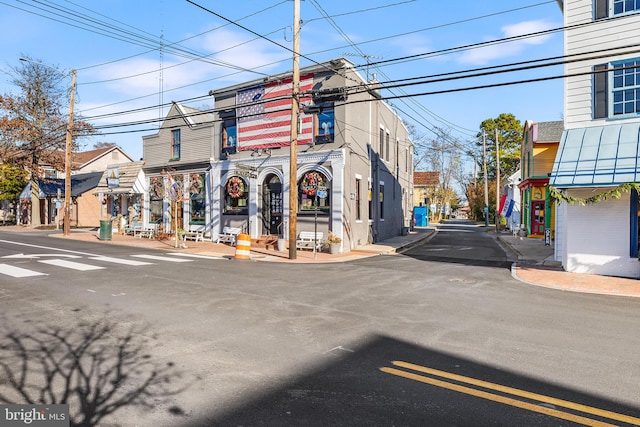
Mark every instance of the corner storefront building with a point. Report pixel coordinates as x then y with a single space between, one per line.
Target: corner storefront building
229 167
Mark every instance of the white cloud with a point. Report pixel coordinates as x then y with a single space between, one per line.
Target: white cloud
486 54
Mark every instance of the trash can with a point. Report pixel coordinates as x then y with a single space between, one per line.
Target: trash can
420 215
105 229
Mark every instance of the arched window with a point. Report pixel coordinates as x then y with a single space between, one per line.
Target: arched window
314 191
236 196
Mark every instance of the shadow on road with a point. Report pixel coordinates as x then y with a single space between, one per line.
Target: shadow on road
97 368
390 382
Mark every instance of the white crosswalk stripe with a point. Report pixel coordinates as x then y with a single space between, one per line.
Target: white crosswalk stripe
71 264
180 254
13 271
19 272
161 258
120 261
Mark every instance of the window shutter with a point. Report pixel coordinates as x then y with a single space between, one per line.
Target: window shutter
602 9
600 94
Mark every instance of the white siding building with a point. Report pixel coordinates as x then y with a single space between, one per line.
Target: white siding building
598 152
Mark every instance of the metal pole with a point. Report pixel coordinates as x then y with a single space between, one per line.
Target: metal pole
295 105
67 160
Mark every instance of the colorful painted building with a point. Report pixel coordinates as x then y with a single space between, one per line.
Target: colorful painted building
538 151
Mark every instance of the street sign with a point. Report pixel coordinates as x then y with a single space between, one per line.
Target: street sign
246 167
547 237
245 173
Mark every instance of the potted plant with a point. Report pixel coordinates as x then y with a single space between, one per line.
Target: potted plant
334 242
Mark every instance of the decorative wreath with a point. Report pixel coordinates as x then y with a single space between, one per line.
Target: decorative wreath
310 183
235 187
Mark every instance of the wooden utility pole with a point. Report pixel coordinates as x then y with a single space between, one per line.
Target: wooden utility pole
497 180
293 155
486 182
67 160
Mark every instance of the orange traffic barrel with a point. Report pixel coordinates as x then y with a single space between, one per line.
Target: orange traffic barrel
243 246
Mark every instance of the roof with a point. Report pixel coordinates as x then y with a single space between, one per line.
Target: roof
550 131
426 179
543 132
598 156
81 159
80 184
127 178
331 65
193 116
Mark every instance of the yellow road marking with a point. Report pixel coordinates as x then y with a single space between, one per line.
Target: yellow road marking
496 398
522 393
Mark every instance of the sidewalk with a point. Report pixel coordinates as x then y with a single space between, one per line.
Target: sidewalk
535 265
533 261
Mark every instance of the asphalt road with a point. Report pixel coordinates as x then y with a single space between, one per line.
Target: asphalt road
439 335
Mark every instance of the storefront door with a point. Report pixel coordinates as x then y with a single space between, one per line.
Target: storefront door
537 217
272 204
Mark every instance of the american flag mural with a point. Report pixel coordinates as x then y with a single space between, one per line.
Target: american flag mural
264 115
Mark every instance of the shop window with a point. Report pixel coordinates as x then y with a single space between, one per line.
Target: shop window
236 196
135 209
314 193
197 198
156 196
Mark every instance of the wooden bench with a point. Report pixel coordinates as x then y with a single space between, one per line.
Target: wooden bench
229 235
307 240
145 232
192 235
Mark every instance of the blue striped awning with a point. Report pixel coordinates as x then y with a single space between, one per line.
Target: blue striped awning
599 156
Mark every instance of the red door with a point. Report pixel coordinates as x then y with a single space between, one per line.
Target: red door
537 217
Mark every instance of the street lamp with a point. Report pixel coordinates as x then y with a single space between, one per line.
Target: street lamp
67 152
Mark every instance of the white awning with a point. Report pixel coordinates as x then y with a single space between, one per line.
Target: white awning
599 156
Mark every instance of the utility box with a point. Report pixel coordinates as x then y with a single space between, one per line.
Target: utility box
105 229
420 216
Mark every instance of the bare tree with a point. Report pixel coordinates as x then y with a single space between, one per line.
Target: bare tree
33 122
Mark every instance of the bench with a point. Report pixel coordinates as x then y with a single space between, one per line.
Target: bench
145 232
229 235
192 235
133 227
307 240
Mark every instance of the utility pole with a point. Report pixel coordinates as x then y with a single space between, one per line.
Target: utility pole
497 180
486 183
67 160
295 106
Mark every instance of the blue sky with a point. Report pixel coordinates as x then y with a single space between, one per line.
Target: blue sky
115 46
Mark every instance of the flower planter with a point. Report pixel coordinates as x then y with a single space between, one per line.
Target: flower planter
334 248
